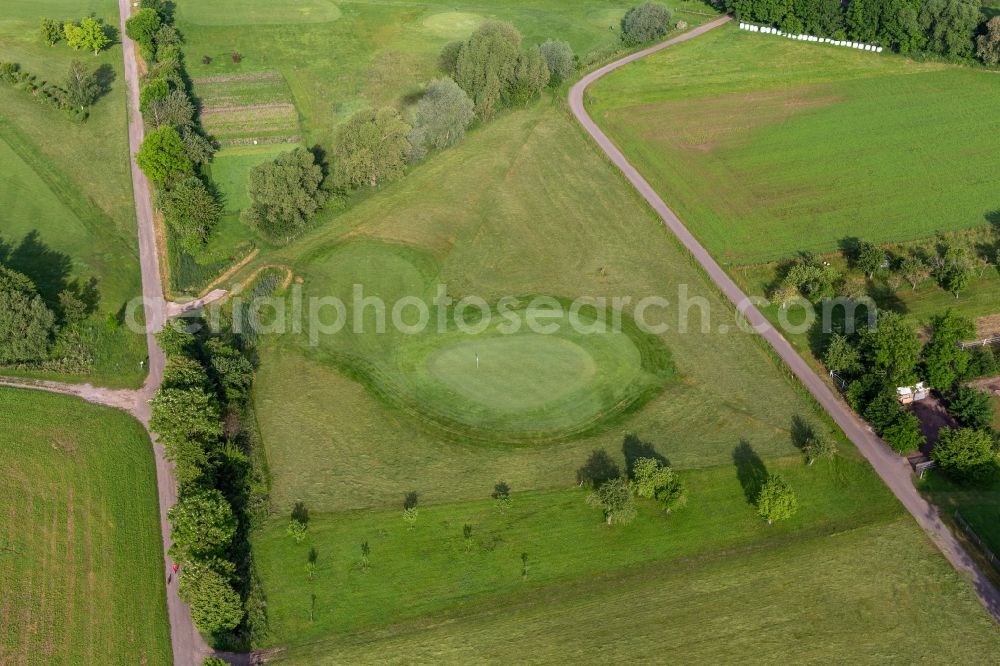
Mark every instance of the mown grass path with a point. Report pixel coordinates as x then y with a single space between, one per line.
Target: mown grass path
893 469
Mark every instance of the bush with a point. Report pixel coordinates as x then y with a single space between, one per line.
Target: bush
51 31
486 64
162 157
645 23
652 480
988 44
203 525
142 27
26 323
215 605
191 211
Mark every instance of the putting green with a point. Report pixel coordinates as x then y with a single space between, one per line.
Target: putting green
527 385
453 25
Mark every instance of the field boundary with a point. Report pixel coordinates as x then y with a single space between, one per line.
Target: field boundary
985 550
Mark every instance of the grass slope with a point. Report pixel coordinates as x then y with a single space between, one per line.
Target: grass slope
766 147
81 565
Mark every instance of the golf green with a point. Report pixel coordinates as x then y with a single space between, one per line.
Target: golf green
525 385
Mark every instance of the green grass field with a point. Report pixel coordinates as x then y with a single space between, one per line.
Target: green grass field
81 562
766 147
67 188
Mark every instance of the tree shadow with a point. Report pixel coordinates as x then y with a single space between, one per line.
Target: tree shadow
634 448
49 270
599 469
750 470
105 75
848 247
300 513
802 432
410 500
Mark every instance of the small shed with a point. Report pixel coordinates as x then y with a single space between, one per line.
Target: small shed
911 394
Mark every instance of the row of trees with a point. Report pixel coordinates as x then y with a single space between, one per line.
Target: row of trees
198 414
175 149
42 330
952 28
79 90
488 72
90 33
951 264
614 494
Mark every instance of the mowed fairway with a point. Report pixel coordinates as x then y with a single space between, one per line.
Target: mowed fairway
766 147
65 189
81 561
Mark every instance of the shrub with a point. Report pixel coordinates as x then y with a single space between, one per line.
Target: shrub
191 212
26 323
142 27
645 23
203 525
988 44
162 157
51 31
652 480
215 605
972 408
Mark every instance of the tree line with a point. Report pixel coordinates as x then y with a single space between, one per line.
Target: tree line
175 150
203 417
954 29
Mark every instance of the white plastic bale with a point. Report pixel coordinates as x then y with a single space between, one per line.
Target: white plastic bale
878 50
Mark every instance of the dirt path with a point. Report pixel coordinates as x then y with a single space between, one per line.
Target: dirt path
189 647
893 469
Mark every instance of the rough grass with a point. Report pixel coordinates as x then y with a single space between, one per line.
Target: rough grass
67 184
81 565
766 147
712 582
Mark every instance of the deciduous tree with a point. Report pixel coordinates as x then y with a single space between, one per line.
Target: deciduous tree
285 194
777 500
966 454
645 23
203 525
162 157
26 323
615 499
215 605
51 31
82 85
191 211
988 43
371 149
560 60
443 114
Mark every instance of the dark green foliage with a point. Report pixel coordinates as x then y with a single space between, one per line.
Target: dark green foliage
949 25
154 90
945 361
26 323
215 605
972 408
285 193
197 148
891 348
645 23
191 211
203 525
142 27
371 149
183 372
966 455
983 362
162 157
841 355
231 369
904 434
954 270
869 258
175 342
531 75
811 277
486 67
448 60
183 414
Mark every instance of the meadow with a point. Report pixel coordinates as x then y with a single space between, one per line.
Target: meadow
67 195
81 561
767 147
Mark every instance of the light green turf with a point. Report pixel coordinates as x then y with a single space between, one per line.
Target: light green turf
766 146
851 598
81 561
239 12
69 182
231 168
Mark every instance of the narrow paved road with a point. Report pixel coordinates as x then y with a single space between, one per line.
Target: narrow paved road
894 470
188 646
